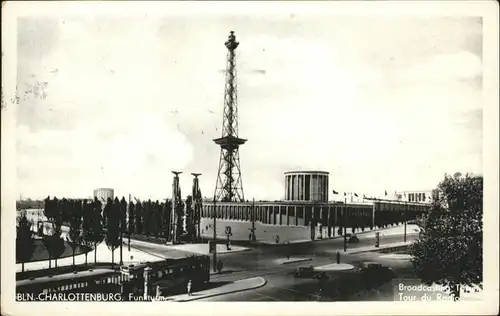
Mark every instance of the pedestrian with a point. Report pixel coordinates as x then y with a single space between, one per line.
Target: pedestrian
219 266
189 288
338 257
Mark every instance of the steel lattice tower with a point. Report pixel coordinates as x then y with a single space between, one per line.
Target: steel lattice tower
229 185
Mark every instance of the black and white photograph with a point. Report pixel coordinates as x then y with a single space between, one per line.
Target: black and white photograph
269 154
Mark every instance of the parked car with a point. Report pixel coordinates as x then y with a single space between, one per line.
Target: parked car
353 239
375 274
309 272
320 276
304 272
365 277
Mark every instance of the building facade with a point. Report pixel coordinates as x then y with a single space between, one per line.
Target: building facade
104 193
311 214
419 196
306 186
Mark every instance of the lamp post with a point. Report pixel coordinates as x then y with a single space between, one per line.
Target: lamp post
345 223
404 218
253 221
215 238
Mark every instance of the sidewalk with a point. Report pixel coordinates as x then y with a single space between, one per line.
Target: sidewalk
291 260
203 249
237 286
373 248
389 231
197 248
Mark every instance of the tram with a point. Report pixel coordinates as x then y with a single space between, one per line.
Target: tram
90 281
170 275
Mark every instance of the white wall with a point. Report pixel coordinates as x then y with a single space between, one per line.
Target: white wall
263 232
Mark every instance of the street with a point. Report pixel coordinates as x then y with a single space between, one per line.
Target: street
281 285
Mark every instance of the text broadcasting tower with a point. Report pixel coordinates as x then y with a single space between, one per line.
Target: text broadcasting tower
229 186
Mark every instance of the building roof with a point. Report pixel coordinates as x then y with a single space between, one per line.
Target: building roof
66 276
307 171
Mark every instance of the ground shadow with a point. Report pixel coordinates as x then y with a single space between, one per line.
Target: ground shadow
212 285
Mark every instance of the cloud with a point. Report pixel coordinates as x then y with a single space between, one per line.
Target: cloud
444 67
139 152
131 99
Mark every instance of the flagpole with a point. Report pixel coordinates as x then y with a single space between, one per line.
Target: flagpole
404 218
345 222
215 237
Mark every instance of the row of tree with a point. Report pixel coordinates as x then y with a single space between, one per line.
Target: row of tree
90 224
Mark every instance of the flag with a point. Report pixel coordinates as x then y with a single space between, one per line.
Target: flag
335 192
356 195
345 194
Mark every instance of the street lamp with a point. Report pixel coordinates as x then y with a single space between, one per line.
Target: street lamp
404 218
253 221
215 238
345 223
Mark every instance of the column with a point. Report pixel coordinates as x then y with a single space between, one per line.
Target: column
312 218
299 186
321 220
304 197
316 185
327 193
296 217
281 208
329 222
318 181
287 216
273 210
274 215
295 188
286 187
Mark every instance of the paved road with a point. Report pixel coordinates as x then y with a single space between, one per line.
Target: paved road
264 256
281 285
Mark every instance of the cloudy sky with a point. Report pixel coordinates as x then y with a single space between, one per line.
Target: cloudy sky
382 103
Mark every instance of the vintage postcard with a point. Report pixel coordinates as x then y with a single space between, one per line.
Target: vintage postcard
326 157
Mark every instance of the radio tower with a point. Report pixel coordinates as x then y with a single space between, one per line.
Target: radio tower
229 186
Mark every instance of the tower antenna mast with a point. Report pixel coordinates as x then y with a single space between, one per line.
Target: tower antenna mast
229 185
